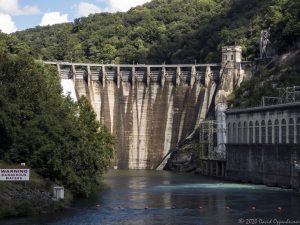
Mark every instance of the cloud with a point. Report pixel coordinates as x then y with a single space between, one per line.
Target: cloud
11 7
122 5
29 10
7 25
53 18
85 9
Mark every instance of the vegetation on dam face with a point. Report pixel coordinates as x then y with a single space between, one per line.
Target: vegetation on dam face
169 31
59 139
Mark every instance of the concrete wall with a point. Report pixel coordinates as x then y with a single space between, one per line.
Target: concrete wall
147 121
268 164
260 125
151 108
263 145
147 112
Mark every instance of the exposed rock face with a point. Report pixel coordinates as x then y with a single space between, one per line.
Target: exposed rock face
17 200
38 198
183 158
232 73
231 78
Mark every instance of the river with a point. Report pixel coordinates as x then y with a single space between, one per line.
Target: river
157 197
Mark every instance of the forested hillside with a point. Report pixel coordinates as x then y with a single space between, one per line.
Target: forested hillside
168 31
61 140
281 72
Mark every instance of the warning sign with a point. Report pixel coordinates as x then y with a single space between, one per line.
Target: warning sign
14 174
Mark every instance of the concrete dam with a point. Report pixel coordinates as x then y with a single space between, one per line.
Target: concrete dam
147 108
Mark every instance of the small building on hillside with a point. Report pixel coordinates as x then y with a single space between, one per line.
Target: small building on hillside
263 145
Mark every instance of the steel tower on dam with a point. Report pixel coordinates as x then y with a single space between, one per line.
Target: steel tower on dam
148 108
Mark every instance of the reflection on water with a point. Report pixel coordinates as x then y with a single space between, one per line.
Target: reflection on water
219 186
154 198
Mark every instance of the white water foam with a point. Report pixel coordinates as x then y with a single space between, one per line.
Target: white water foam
68 88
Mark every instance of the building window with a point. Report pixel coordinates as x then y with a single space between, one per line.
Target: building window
229 133
225 57
291 131
234 140
270 132
250 132
298 130
263 132
240 136
256 132
283 131
276 132
231 57
245 133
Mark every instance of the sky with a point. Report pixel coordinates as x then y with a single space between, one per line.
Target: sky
16 15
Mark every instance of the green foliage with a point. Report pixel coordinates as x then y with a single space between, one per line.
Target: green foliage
281 72
287 25
22 208
60 139
168 31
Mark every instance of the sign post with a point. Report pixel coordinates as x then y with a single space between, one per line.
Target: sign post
14 174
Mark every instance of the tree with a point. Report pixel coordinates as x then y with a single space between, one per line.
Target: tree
168 31
58 138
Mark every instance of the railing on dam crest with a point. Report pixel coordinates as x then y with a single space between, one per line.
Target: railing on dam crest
177 74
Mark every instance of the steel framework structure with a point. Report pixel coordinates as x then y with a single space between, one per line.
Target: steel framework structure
285 95
208 141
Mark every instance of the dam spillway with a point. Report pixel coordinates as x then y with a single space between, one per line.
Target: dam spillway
147 108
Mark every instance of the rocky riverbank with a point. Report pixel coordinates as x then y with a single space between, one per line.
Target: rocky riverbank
20 198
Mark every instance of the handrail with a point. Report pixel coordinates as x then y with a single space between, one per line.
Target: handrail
133 65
